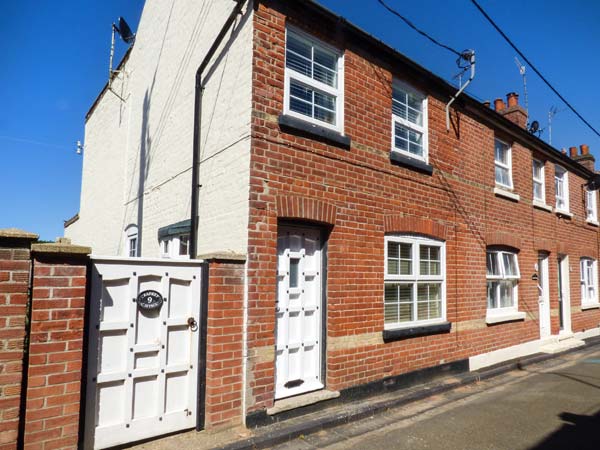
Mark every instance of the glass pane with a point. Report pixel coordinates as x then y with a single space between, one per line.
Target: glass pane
301 107
537 191
393 261
492 264
510 264
502 176
184 245
501 152
298 46
325 115
391 310
325 100
301 92
393 250
298 64
428 301
326 59
506 294
537 170
492 289
415 116
406 259
294 268
399 109
324 75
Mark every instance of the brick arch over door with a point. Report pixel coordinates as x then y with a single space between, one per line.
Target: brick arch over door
305 208
493 238
417 225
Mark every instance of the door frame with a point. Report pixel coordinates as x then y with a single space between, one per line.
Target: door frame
564 294
544 281
324 233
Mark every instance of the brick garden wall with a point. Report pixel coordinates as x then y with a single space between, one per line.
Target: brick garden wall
14 285
55 350
368 196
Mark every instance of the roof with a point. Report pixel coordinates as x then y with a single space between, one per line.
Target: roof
175 229
17 233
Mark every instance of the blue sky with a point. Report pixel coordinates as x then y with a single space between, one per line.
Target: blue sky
55 57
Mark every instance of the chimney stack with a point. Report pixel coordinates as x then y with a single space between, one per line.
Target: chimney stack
573 152
512 110
586 159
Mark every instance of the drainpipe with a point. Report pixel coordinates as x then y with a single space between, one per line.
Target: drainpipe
197 123
468 55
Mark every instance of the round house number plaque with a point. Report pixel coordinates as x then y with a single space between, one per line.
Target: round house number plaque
149 300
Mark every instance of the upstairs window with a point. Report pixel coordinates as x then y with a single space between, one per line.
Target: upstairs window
414 291
539 185
561 186
409 121
131 241
176 247
313 81
589 281
591 208
502 280
503 164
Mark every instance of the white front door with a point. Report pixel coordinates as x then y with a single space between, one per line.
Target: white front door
564 295
142 362
298 311
544 296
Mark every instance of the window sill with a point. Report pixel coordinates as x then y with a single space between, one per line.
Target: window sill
540 205
414 331
560 212
500 192
592 222
491 319
590 306
315 131
411 163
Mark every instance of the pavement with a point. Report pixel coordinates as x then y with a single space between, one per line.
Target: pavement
541 402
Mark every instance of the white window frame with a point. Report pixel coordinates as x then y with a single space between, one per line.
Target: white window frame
415 278
132 245
170 247
589 281
564 179
539 181
337 92
591 206
507 166
421 129
502 276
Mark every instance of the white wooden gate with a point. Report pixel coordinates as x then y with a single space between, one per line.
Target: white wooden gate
298 312
142 363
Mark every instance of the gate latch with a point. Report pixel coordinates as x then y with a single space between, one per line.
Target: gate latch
192 324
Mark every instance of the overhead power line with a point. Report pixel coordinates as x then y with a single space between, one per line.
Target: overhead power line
421 32
506 38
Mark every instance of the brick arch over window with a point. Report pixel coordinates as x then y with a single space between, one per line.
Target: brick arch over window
417 225
293 207
498 238
544 245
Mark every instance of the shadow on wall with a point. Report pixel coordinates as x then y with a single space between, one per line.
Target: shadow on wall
145 145
579 432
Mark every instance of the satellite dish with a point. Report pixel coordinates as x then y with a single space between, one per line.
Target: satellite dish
125 31
535 126
593 183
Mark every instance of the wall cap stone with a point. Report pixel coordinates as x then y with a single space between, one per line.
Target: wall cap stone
223 257
61 249
16 233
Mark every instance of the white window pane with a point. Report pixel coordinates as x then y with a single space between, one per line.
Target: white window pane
326 59
501 152
502 176
492 289
506 294
538 191
492 263
510 264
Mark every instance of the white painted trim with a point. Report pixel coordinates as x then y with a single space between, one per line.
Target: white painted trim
423 129
593 222
562 212
565 181
540 205
499 318
245 345
507 166
504 193
541 181
590 306
164 261
520 350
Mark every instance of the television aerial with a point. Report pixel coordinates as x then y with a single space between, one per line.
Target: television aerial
123 29
522 70
593 183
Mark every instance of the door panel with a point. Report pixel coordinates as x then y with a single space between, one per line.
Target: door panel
142 364
298 311
544 296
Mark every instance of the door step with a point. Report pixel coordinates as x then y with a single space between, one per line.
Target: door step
561 345
299 401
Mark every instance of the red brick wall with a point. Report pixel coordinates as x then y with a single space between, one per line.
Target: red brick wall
55 352
224 344
368 193
14 284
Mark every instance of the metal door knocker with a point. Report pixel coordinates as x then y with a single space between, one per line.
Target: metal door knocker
192 324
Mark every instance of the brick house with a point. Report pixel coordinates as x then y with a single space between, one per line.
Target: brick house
372 242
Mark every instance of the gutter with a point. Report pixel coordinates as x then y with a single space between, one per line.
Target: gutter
199 89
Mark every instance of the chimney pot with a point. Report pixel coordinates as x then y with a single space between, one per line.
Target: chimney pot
512 98
573 152
585 149
563 151
487 103
499 104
